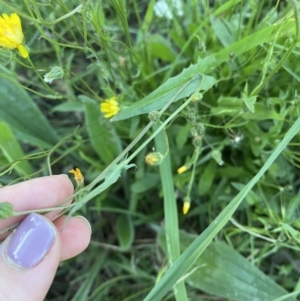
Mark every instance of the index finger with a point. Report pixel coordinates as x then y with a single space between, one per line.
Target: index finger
38 193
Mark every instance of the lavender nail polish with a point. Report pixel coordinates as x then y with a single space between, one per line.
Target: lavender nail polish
31 242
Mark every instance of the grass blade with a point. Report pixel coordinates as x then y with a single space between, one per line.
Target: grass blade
191 254
170 212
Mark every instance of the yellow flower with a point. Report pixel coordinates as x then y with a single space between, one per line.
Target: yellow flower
110 107
77 175
182 169
11 34
186 207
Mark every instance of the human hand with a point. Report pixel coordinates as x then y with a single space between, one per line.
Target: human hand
29 257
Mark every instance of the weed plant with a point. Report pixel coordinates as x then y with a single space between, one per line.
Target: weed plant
183 117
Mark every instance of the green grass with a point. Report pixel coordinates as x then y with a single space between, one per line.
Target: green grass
220 82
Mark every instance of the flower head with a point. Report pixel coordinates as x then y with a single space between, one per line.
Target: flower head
77 175
11 34
182 169
110 107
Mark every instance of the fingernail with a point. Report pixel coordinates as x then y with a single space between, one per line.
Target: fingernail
31 242
64 175
86 220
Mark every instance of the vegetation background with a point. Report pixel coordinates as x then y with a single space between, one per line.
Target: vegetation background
228 117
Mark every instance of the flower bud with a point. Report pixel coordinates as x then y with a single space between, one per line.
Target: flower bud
191 117
55 73
154 158
217 156
182 169
197 141
186 205
154 116
197 97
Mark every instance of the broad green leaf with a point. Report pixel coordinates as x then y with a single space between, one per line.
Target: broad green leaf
160 48
262 112
182 135
22 114
285 26
222 271
12 150
230 106
201 242
148 181
70 106
102 138
249 101
125 231
207 177
221 31
180 86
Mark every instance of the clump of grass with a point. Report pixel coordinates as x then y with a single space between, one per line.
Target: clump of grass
218 80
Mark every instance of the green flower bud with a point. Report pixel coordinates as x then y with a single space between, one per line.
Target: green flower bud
55 73
217 156
201 46
191 117
197 141
154 158
199 127
197 97
154 116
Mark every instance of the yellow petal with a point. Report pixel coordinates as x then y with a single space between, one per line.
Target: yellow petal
16 20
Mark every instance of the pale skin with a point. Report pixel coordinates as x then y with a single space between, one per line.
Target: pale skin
33 284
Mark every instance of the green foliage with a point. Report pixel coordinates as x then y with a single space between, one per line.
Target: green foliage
12 150
22 114
222 271
220 79
125 231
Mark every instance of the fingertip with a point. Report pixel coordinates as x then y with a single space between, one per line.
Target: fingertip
75 235
66 183
43 192
85 221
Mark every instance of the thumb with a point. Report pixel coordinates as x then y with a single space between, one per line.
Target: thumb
29 258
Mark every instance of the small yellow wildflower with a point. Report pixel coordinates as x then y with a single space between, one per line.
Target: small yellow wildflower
182 169
77 175
11 34
186 207
110 107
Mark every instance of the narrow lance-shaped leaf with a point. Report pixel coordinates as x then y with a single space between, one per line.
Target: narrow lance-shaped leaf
191 77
